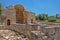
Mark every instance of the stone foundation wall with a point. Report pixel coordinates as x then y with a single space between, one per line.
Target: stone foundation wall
22 28
53 33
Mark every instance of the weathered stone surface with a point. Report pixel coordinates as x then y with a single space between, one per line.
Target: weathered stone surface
2 38
10 35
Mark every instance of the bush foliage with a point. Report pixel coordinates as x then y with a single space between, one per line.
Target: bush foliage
45 17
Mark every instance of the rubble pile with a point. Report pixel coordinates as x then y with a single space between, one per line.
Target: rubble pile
11 35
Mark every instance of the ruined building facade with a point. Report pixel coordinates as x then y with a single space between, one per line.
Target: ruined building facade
17 14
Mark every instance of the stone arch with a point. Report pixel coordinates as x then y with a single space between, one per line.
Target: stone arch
8 22
19 7
19 13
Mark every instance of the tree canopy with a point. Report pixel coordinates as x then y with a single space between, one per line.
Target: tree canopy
0 8
46 18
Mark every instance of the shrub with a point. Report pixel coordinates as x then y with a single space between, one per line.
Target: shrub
52 19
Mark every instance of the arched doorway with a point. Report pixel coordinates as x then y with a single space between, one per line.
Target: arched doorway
8 22
31 20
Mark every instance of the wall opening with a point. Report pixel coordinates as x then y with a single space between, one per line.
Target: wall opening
31 20
8 22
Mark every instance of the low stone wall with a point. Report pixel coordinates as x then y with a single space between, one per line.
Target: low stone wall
52 32
21 28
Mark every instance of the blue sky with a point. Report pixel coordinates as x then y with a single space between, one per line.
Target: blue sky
50 7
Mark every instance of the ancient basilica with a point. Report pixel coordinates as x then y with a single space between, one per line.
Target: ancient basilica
17 14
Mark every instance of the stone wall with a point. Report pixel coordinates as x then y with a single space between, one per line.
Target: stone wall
53 33
9 13
22 28
23 16
29 17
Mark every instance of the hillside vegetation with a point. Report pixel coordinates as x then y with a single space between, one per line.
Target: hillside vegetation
46 18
